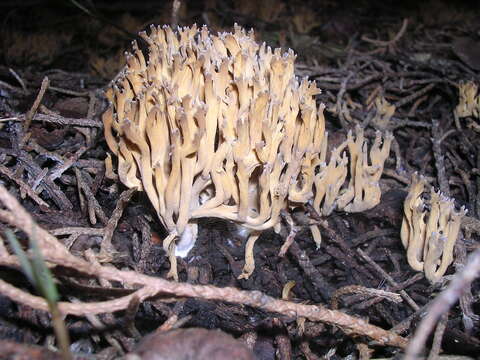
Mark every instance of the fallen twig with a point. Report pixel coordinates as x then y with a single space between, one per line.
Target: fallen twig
24 186
367 292
36 103
442 303
56 253
439 158
57 120
94 207
389 42
390 280
106 246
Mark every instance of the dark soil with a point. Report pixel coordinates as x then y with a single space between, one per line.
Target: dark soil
79 46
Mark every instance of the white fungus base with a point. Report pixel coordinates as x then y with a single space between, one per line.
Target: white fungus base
189 236
187 241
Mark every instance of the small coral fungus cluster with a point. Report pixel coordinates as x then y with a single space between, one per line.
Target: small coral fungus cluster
469 100
429 230
219 126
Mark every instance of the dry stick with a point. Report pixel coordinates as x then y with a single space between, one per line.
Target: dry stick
364 352
93 205
394 175
36 103
77 230
17 172
92 132
234 266
316 278
154 286
442 304
90 206
389 279
369 303
57 119
106 246
369 235
307 352
58 170
398 156
351 87
465 175
19 79
69 92
168 324
339 102
291 235
344 251
399 123
24 186
55 193
33 145
129 319
471 225
36 182
415 105
92 101
89 133
55 252
92 259
447 134
358 289
437 338
68 121
12 88
414 96
101 328
389 42
373 95
466 300
323 82
81 197
402 326
439 158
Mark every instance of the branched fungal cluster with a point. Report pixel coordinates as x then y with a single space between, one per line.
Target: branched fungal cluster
429 230
469 100
219 126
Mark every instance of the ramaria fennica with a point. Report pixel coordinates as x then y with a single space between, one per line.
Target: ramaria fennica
429 229
469 100
219 126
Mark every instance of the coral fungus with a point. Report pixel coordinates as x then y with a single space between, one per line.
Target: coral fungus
219 126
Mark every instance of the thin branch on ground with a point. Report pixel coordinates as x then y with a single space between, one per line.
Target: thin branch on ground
55 252
442 304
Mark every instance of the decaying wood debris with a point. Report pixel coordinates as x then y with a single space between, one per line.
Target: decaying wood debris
357 295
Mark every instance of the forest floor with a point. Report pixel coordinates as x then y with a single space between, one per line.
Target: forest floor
368 58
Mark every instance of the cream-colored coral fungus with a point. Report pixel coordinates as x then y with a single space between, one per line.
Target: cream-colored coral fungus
219 126
468 105
469 100
429 230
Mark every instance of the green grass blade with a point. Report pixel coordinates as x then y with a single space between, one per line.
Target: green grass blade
43 276
22 256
